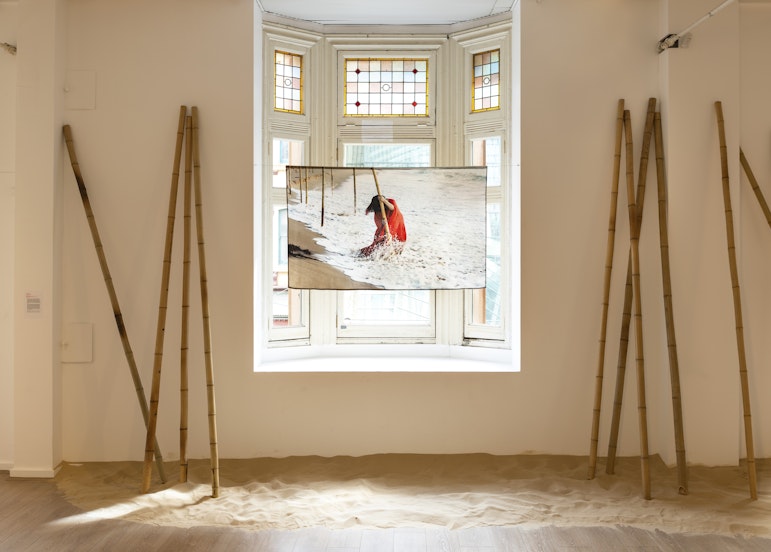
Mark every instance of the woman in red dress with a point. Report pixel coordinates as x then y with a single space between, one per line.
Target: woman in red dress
395 220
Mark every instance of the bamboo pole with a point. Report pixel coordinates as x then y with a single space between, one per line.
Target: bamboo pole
382 208
674 367
354 189
634 232
323 174
111 292
213 447
737 304
755 186
642 179
623 349
606 290
183 375
160 329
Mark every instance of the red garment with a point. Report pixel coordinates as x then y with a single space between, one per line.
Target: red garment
395 226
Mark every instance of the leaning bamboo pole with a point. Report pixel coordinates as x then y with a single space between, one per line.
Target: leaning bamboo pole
213 447
160 328
755 186
354 189
623 350
674 367
642 178
111 292
593 443
382 208
634 233
323 174
729 224
183 373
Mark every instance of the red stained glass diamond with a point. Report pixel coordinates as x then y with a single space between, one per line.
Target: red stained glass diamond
357 104
415 71
414 104
358 71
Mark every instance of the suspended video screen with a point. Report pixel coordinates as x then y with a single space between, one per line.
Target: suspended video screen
386 228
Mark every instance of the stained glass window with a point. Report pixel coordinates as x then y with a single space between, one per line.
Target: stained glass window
486 88
386 87
289 82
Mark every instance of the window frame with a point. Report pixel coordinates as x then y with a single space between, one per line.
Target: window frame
276 201
486 124
280 125
441 125
499 194
364 47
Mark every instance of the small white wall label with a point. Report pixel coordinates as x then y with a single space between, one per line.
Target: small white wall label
33 305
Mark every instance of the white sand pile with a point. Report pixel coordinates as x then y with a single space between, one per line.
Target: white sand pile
395 490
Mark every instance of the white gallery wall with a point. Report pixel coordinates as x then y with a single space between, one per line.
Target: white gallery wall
8 23
128 66
755 140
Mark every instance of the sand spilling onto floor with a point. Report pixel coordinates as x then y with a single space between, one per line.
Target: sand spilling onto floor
398 490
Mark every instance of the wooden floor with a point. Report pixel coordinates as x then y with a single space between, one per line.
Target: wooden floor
35 517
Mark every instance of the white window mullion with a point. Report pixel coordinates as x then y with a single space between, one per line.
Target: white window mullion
323 309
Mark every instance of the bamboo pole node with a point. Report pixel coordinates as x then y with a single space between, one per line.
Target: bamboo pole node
743 375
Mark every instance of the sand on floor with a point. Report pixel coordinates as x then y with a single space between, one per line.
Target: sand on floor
403 490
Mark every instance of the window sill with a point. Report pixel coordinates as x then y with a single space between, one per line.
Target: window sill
380 358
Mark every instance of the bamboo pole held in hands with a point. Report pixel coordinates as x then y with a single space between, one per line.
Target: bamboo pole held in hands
674 368
634 232
628 292
183 375
755 186
111 292
737 304
382 208
213 446
606 290
160 329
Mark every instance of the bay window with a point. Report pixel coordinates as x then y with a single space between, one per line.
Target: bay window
369 100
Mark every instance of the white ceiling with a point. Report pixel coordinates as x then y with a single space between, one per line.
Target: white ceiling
386 12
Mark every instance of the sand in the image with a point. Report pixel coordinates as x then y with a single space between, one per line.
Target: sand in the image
402 490
310 269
